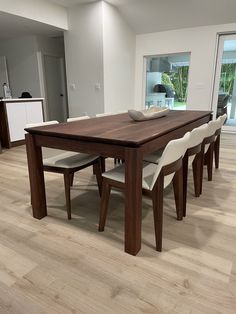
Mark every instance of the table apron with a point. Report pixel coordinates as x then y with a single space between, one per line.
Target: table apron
95 148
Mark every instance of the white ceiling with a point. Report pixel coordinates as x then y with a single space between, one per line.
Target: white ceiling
145 16
68 3
15 26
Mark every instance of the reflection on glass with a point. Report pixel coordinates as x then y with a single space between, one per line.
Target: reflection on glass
227 87
167 81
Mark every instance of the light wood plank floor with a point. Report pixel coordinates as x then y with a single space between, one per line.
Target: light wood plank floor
58 266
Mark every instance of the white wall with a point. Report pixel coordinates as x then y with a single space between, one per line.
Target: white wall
201 42
53 46
84 59
22 61
22 65
118 61
38 10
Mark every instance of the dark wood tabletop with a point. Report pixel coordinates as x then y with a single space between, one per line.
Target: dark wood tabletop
115 136
120 129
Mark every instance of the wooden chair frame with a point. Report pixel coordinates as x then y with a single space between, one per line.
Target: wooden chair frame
207 157
69 177
156 194
217 148
197 167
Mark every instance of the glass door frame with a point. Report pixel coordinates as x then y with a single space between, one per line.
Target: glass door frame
220 50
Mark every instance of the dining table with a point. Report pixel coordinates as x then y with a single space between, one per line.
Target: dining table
116 136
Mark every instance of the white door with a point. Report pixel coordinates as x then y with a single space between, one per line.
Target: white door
55 88
224 96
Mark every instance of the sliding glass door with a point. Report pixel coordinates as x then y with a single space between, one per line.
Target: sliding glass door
224 97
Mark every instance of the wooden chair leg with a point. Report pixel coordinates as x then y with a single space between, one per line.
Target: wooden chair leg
209 161
157 199
116 161
217 151
106 189
197 162
98 173
67 181
178 191
202 166
185 182
103 164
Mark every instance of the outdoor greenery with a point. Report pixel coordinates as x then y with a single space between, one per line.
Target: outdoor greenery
178 80
165 79
227 78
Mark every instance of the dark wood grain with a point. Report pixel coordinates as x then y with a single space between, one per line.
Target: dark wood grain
4 128
121 129
36 176
133 200
114 136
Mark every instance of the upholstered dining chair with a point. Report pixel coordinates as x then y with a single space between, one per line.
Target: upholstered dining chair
193 156
68 163
222 120
208 149
156 177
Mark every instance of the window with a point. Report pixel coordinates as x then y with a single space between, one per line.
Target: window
167 80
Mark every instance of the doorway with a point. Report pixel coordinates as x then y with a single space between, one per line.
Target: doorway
224 96
52 79
55 88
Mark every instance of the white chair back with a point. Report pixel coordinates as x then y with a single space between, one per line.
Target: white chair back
212 127
174 150
211 130
77 118
33 125
197 135
222 119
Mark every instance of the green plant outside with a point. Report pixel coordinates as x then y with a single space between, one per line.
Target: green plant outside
179 104
227 78
177 80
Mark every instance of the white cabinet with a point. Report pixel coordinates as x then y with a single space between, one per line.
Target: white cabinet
19 113
16 114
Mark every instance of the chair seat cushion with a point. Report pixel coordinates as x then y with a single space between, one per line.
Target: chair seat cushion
118 174
154 157
69 160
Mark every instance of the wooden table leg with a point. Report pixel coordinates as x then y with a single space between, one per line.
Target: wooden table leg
36 176
133 200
